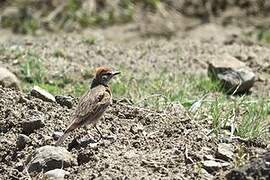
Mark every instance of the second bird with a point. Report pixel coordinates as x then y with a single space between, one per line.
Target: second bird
93 103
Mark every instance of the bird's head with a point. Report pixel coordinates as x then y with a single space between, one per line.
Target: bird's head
103 75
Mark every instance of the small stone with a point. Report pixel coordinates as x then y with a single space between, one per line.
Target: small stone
50 157
74 144
22 140
110 137
209 157
35 120
225 151
83 142
42 94
233 74
56 135
19 166
67 101
136 144
131 154
57 174
205 175
8 79
85 156
211 165
135 129
47 139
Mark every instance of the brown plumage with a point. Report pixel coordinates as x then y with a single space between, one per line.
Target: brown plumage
93 103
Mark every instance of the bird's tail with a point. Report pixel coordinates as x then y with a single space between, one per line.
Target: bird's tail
61 139
71 127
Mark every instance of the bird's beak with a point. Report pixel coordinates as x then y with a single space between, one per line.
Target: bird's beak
116 73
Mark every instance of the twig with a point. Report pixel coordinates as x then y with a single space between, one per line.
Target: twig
232 123
54 13
186 155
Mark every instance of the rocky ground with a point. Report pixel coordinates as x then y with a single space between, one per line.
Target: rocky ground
141 142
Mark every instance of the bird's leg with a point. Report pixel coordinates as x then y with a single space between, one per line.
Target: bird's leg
101 136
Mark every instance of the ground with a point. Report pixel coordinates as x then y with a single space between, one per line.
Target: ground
152 133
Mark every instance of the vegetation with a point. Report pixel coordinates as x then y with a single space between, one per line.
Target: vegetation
28 17
243 116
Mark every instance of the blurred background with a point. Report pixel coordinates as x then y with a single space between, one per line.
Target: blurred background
152 17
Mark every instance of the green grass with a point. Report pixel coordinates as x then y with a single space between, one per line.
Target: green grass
248 115
91 40
255 121
264 36
71 14
163 88
32 68
60 53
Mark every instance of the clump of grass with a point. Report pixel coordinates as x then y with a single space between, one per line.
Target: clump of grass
21 22
59 53
33 72
32 68
80 88
247 117
264 36
28 17
216 109
158 90
89 40
254 122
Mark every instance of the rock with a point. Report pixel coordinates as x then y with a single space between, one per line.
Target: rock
56 174
233 74
19 166
205 175
50 157
257 168
81 143
42 94
135 129
8 79
74 144
84 156
211 165
67 101
35 120
56 135
131 154
22 140
225 151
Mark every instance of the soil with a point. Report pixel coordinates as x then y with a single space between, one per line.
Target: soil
140 143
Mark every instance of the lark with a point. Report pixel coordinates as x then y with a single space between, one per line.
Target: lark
93 103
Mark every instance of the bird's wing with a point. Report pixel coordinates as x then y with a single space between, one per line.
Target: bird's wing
93 104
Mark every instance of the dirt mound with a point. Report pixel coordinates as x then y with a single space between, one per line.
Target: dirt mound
140 142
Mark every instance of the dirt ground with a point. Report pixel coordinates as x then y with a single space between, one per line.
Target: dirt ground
144 143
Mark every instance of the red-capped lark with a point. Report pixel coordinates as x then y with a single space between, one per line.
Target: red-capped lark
93 103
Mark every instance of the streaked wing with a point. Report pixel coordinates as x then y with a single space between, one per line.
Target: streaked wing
92 104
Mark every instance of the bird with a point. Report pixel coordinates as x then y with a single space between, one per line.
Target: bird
93 103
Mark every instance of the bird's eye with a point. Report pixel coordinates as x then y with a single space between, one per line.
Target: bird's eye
105 77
